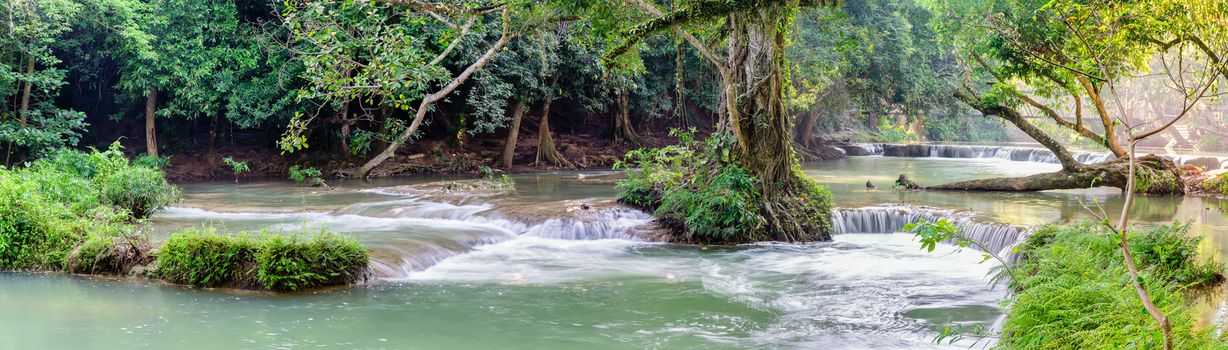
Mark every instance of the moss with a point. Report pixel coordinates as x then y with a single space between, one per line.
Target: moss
1078 292
205 258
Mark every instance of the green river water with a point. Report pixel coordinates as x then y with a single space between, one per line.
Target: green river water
527 270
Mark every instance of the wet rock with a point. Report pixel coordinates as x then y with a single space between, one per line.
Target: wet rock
906 183
585 206
858 149
911 150
870 184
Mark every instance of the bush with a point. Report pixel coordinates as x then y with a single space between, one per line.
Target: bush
152 162
35 232
139 190
1078 294
306 175
202 257
1216 184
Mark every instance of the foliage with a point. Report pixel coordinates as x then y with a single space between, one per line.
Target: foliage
289 263
236 167
148 161
1079 294
72 198
306 175
697 188
139 190
203 257
1216 184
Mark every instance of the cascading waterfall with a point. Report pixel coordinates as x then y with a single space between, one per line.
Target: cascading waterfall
1013 153
998 238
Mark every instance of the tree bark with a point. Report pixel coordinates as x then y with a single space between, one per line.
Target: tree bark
545 142
151 133
25 95
1154 175
513 133
623 132
805 129
1014 117
760 122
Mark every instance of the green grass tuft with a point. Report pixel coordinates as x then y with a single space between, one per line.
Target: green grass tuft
205 258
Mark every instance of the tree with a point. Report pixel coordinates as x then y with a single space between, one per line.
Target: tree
754 85
1077 52
30 78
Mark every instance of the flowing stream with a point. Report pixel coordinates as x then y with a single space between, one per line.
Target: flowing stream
532 269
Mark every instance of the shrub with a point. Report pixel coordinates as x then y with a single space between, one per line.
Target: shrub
236 167
152 162
1216 184
35 232
139 190
202 257
306 175
1079 295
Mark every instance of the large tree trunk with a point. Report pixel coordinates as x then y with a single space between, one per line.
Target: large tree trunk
623 132
760 123
513 133
25 95
151 133
1155 175
545 142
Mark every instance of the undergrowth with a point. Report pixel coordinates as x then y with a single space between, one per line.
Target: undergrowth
696 188
1079 295
205 258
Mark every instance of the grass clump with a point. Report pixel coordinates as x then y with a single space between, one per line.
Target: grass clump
205 258
306 176
1079 295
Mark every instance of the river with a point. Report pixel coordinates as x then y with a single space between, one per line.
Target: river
528 269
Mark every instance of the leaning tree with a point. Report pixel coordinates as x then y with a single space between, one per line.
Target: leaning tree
1066 60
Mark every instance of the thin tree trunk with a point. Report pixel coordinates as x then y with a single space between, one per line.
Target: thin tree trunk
513 133
151 134
623 131
545 142
25 95
679 101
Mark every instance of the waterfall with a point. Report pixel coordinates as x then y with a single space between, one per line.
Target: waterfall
999 238
1013 153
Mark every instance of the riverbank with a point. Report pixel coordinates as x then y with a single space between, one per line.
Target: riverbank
84 213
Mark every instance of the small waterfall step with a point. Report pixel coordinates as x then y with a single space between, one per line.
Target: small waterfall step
1014 153
997 237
